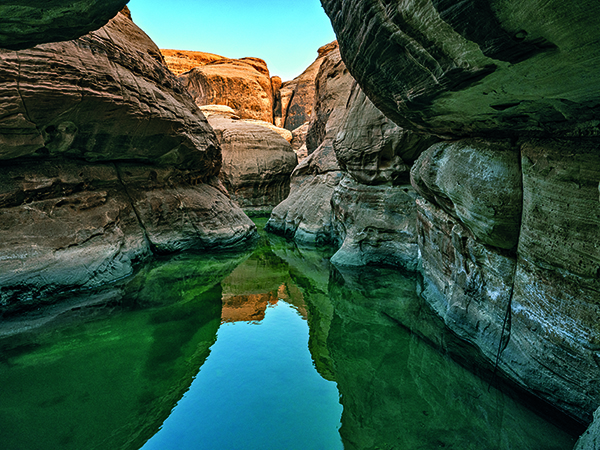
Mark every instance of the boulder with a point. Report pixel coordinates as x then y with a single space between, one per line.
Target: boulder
105 160
485 67
27 23
243 84
372 148
257 162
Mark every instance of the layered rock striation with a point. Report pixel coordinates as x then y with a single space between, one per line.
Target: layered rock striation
242 84
257 162
509 217
353 190
26 23
105 160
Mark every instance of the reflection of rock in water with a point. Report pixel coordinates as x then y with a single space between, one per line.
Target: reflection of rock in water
110 382
398 392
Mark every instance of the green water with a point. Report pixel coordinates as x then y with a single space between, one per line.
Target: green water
270 349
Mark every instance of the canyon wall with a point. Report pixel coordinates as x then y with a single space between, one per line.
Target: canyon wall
353 190
26 23
508 214
105 159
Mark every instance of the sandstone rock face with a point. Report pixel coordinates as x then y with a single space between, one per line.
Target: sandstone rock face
476 67
243 84
257 162
590 440
26 23
477 182
105 159
181 61
353 190
296 98
374 225
306 215
509 228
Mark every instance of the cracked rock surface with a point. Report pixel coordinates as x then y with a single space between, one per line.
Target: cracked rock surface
104 160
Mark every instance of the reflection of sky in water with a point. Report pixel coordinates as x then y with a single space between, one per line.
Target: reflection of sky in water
255 351
258 389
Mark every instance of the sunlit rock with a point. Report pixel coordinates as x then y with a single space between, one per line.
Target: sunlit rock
257 162
243 84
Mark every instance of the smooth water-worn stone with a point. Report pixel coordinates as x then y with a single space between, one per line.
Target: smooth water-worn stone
106 96
467 283
295 102
372 148
590 440
105 159
257 162
375 225
478 183
397 393
475 67
26 23
243 84
306 214
556 299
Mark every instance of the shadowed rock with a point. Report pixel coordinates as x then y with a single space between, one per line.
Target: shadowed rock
475 67
26 23
105 159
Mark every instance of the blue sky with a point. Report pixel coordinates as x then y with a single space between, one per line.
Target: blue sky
285 33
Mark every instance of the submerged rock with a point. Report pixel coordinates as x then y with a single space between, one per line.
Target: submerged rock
105 159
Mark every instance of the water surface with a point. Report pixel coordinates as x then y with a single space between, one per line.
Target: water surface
269 349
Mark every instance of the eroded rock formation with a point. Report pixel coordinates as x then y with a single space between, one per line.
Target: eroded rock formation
257 162
509 224
353 189
296 98
180 61
26 23
243 84
105 159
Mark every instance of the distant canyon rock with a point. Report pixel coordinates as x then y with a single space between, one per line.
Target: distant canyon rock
243 84
180 61
257 162
105 159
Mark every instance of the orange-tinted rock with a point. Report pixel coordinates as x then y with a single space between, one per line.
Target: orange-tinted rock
180 61
26 23
243 84
296 100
